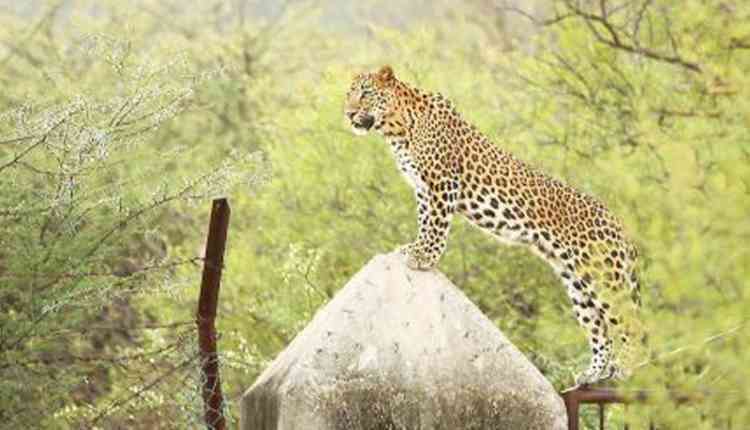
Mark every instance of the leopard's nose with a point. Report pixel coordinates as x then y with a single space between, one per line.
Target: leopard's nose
350 114
367 121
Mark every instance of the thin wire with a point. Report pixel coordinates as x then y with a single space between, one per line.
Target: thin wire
694 345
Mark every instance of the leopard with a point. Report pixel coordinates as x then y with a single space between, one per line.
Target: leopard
454 169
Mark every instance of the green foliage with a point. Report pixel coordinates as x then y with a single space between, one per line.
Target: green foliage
88 180
659 132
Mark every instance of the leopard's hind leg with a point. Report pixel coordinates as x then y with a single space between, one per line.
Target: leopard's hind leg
592 315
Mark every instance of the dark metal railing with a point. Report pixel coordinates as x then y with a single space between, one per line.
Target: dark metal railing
599 396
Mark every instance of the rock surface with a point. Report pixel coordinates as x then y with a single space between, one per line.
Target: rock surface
400 349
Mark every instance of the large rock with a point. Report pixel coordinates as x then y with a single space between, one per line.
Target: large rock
400 349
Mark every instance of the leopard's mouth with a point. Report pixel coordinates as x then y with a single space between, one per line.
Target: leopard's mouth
363 123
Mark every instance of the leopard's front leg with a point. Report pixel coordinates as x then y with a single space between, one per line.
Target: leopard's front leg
435 207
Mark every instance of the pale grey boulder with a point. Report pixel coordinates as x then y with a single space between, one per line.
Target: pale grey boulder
401 349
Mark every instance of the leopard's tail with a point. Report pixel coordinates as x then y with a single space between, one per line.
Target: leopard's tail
631 335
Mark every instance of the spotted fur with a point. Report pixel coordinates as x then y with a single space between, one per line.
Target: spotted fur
455 169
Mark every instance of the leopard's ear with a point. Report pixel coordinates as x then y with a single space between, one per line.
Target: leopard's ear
385 75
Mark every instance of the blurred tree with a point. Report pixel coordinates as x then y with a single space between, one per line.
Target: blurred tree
85 185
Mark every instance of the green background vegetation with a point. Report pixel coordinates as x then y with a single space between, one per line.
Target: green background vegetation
119 122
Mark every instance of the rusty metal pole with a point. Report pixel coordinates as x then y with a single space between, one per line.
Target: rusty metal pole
213 401
571 406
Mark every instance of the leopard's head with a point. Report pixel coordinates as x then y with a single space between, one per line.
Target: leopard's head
369 99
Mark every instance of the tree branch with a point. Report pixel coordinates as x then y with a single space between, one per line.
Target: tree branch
616 42
543 22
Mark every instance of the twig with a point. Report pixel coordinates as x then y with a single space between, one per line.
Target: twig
695 345
23 153
94 273
543 22
123 401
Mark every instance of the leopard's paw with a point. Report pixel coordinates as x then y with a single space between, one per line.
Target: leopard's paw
406 249
593 375
415 258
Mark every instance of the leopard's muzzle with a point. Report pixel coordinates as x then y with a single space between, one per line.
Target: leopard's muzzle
361 122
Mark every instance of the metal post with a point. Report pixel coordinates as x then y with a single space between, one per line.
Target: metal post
571 406
213 262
